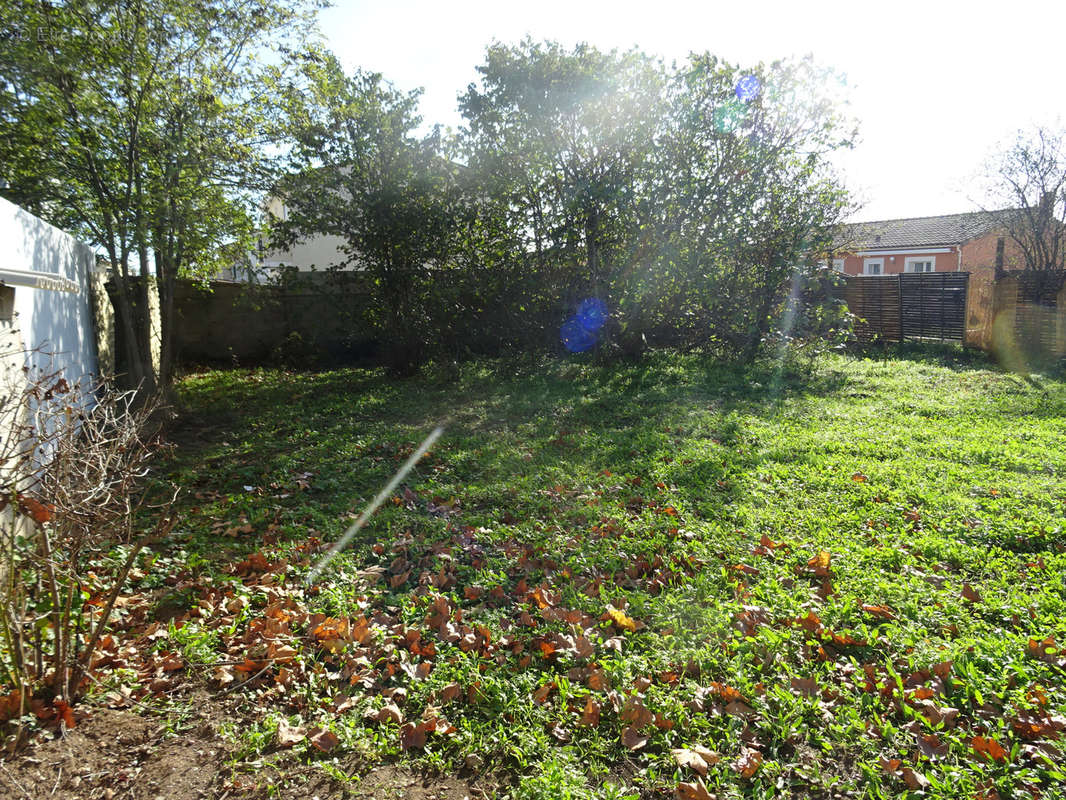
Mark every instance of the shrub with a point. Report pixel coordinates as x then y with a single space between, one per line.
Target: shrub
73 463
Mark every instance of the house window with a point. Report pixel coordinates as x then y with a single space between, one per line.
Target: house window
838 264
920 264
873 266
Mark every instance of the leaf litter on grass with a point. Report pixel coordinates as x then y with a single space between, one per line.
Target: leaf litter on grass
547 605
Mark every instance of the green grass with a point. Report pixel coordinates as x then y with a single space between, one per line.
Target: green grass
648 488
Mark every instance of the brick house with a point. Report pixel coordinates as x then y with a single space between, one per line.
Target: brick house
946 243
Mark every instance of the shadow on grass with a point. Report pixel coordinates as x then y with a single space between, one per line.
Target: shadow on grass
533 424
940 354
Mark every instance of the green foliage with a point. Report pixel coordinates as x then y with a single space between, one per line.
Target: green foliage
358 172
656 190
578 174
145 130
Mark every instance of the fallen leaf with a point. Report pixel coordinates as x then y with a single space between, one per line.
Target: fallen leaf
820 563
968 593
621 619
540 696
287 735
890 765
324 740
691 759
64 712
769 543
805 686
693 791
881 612
706 754
738 709
390 712
914 780
633 739
635 713
932 747
748 763
989 748
590 715
412 736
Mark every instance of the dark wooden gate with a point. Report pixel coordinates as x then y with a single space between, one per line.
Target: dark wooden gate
922 306
933 305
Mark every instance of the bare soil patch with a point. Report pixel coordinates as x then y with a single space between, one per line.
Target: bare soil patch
117 755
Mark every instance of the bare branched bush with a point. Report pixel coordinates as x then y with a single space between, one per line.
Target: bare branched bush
73 490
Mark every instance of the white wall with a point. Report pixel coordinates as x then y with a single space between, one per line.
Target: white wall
57 322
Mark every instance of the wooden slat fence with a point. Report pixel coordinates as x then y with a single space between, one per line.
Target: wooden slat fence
920 306
1036 314
876 303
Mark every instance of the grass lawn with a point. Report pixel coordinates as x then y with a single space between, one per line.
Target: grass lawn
634 581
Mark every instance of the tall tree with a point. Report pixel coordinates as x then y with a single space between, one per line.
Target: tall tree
562 138
1026 183
140 126
684 198
746 195
359 171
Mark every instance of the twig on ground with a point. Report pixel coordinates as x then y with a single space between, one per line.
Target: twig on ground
237 686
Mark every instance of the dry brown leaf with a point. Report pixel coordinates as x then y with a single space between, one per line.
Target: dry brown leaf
590 715
769 543
324 740
635 713
968 593
805 686
288 736
989 748
914 780
691 759
748 763
693 791
739 709
390 712
890 765
932 747
706 754
597 679
412 736
633 739
881 612
540 696
450 692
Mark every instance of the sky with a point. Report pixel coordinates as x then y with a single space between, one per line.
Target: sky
935 86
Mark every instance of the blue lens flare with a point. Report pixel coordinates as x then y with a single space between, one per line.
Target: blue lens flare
578 333
591 314
748 88
575 338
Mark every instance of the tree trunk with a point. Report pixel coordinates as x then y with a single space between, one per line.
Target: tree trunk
139 373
